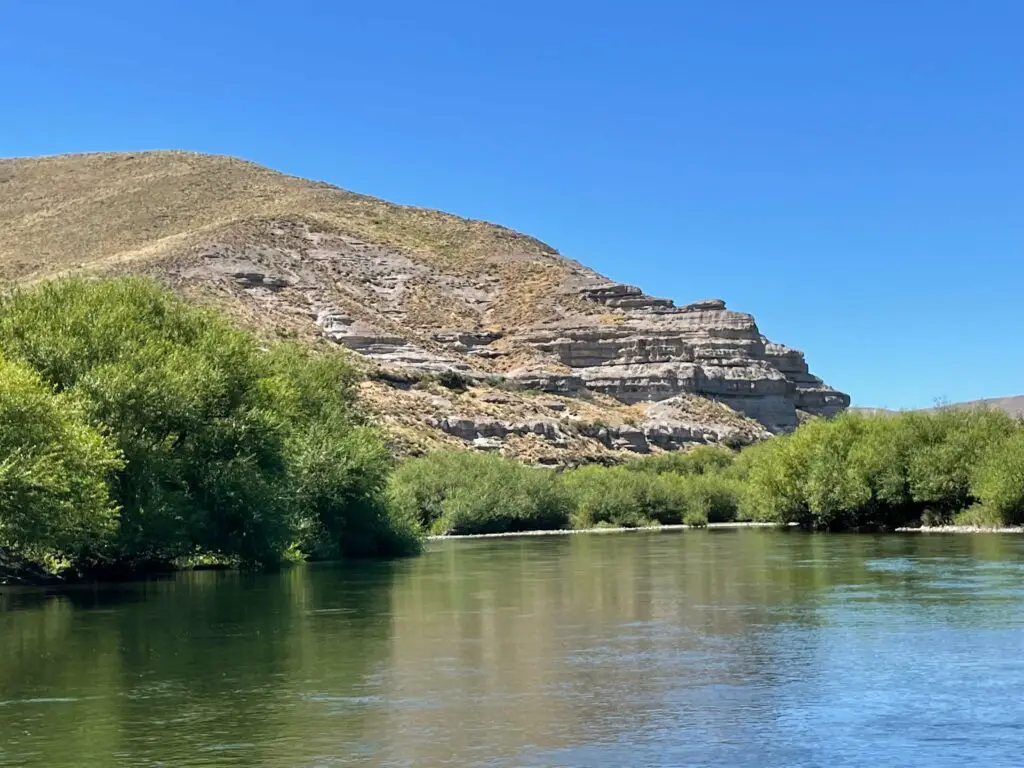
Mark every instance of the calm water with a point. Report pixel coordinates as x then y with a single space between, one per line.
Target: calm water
731 648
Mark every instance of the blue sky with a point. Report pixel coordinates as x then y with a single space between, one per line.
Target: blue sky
850 173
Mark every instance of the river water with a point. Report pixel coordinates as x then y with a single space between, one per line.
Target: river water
723 648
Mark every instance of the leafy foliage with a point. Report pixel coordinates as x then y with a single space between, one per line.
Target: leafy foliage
137 429
462 492
54 469
998 480
337 465
857 471
614 496
704 459
228 450
850 473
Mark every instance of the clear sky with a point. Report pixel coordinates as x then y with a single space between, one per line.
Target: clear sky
852 173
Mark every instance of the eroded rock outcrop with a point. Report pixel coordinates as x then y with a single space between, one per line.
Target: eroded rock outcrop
670 425
597 337
655 351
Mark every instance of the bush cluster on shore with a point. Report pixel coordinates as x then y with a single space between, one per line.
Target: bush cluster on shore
854 472
138 431
858 471
460 492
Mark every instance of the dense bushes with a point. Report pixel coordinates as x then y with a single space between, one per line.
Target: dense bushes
337 465
54 469
214 447
461 492
704 459
620 497
997 482
854 472
857 471
135 429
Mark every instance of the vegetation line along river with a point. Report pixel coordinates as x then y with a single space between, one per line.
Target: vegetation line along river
713 527
609 529
148 434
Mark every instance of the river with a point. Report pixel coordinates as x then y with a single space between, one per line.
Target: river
725 648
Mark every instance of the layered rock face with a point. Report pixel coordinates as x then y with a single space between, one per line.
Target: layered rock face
655 351
590 336
563 362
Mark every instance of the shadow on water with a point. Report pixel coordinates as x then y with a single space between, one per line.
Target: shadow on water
206 668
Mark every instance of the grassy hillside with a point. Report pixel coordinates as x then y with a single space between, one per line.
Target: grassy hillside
1014 406
67 211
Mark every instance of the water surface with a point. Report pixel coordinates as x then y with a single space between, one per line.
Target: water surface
731 648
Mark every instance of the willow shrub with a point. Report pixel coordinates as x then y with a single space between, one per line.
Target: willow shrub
337 465
947 448
54 469
858 471
613 497
621 496
998 483
460 492
228 450
704 459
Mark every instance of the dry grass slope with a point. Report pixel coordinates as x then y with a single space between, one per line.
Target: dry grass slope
1011 405
73 211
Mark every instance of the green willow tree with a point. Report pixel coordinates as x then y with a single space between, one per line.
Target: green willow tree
462 492
859 471
54 470
853 472
230 450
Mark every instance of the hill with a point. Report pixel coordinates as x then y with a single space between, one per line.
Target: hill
565 364
1011 405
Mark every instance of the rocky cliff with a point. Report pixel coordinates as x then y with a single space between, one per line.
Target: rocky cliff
560 362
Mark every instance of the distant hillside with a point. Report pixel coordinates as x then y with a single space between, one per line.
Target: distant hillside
1012 405
565 362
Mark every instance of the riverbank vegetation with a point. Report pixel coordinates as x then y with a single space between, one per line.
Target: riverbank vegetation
461 492
140 432
854 472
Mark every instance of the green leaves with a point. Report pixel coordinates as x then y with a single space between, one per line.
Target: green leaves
462 492
858 471
54 469
228 450
998 480
851 472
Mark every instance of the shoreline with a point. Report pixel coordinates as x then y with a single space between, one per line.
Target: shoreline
616 529
12 579
956 529
960 529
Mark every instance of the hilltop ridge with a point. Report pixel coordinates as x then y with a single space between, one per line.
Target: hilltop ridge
565 363
1014 406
